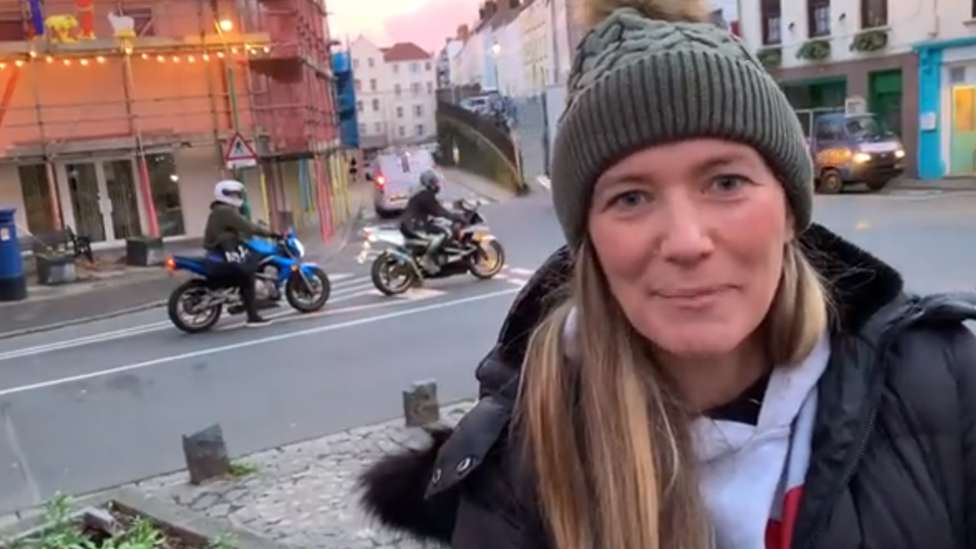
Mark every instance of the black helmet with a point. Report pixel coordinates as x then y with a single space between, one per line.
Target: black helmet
430 180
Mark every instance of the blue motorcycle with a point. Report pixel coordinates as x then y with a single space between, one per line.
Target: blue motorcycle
197 304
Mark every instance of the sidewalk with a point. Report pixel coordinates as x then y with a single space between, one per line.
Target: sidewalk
303 494
125 290
946 184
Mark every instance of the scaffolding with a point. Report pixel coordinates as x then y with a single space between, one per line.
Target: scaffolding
138 77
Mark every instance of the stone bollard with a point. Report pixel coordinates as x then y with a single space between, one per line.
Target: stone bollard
420 405
206 455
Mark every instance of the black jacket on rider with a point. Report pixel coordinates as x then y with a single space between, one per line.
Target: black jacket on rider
421 209
893 461
227 229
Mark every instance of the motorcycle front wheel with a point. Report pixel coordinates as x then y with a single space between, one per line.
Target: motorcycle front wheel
489 261
388 268
304 299
184 307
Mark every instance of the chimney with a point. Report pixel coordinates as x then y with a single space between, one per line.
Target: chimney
462 32
482 13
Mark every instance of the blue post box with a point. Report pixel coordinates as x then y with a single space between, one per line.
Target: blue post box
13 283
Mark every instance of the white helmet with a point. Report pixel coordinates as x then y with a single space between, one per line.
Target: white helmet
229 191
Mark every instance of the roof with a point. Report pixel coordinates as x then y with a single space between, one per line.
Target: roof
404 51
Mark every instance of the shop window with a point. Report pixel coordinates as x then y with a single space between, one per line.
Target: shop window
165 186
38 202
874 13
772 21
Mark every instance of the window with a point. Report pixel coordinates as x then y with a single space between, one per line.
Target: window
828 130
396 90
370 63
427 66
415 88
396 68
414 67
378 127
372 84
874 13
376 105
402 131
399 112
430 87
362 129
36 191
12 30
420 130
359 106
818 17
165 188
143 19
359 85
772 21
355 63
418 110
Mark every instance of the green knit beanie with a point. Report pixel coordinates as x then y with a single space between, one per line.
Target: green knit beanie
651 72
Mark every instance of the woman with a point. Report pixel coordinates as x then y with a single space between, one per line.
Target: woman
721 372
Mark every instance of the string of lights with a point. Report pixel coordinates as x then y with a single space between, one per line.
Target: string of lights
69 60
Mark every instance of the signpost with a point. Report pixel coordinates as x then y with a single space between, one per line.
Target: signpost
240 154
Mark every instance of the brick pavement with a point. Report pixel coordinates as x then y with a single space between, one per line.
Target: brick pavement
303 494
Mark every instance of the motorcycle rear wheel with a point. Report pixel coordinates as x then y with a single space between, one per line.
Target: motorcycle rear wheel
382 271
174 308
479 270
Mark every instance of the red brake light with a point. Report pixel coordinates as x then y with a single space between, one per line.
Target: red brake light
380 182
170 264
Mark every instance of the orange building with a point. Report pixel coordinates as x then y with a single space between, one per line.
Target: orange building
115 117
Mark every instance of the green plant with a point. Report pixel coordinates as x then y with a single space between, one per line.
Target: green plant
771 57
870 40
242 468
816 49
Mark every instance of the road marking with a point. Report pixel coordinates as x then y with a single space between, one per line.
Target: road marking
253 343
343 291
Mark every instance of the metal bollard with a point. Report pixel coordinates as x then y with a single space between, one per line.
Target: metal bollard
420 407
206 455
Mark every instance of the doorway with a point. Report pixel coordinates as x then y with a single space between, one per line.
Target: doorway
962 140
103 200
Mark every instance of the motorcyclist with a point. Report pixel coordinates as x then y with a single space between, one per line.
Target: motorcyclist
229 261
418 219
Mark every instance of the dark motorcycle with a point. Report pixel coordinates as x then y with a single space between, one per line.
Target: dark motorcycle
471 249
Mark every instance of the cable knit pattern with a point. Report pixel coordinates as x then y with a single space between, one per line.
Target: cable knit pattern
637 82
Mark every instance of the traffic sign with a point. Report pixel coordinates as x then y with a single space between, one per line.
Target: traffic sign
240 154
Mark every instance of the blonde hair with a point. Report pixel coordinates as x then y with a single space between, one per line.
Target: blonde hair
606 436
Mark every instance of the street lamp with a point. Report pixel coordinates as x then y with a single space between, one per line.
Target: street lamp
496 50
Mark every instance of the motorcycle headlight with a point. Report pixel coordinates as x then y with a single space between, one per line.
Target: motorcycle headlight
299 248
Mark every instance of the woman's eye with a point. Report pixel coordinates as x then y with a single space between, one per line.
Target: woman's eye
727 183
628 199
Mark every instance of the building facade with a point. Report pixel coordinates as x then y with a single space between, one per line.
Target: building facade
445 61
824 52
116 123
396 100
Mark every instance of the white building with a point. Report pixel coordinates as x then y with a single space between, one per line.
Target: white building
508 54
395 93
445 65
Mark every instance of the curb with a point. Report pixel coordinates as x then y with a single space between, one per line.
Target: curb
344 242
84 320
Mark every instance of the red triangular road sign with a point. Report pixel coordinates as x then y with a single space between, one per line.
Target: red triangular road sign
239 149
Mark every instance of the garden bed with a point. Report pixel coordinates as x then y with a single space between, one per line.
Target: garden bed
124 519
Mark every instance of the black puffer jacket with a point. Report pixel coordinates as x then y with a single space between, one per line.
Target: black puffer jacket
894 449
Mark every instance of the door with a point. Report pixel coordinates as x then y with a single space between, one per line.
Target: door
962 140
103 199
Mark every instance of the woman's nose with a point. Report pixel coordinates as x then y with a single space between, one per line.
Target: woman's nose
685 238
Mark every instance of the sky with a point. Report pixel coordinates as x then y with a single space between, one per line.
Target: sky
425 22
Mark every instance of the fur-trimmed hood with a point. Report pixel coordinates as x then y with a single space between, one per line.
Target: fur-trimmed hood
397 490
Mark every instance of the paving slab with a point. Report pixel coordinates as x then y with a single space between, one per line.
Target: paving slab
304 494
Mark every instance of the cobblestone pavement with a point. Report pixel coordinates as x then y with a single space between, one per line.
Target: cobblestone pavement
303 495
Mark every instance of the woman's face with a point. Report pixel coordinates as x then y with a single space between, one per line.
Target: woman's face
691 237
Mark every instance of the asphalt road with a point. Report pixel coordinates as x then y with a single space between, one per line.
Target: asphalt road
105 403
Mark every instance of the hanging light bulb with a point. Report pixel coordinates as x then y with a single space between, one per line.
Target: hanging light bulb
19 63
49 59
161 59
191 59
67 61
176 59
234 51
84 62
33 53
267 49
220 54
100 59
145 56
206 57
3 65
128 51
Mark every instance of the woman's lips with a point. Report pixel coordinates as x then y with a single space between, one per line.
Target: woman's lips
693 293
